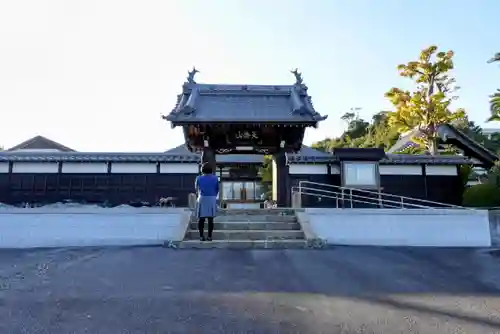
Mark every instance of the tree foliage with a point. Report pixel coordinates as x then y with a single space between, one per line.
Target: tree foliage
495 98
379 133
266 174
429 105
484 195
360 133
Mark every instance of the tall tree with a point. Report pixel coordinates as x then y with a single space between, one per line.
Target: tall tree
429 105
360 133
495 98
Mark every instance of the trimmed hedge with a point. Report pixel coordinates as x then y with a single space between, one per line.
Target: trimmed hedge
485 195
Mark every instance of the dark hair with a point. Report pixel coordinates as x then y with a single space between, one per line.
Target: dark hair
206 169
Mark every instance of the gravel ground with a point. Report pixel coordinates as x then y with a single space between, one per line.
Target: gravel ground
339 290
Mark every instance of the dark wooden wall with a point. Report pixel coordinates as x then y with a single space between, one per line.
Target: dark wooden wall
116 189
436 188
315 201
95 188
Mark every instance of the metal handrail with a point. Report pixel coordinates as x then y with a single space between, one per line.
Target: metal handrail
401 198
353 198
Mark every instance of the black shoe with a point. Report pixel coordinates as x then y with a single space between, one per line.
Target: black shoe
209 238
202 238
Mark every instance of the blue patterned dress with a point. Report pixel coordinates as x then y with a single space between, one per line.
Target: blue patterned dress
207 187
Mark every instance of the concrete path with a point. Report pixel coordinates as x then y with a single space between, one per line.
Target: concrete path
340 290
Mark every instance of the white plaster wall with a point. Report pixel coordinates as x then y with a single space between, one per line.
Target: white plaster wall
35 167
133 167
441 170
402 227
308 169
335 169
400 170
64 229
4 167
181 168
85 167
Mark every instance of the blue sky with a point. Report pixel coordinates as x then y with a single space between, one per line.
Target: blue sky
97 75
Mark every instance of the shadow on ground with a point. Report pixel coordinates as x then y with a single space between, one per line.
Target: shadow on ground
339 290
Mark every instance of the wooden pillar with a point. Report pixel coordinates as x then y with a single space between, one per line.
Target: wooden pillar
281 188
208 157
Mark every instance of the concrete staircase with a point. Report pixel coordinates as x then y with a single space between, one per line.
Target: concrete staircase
254 228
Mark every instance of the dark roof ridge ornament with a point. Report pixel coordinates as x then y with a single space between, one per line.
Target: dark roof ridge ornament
299 81
191 74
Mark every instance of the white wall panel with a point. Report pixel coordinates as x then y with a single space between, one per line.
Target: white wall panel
181 168
4 167
133 167
308 169
441 170
400 170
401 227
63 228
35 167
85 167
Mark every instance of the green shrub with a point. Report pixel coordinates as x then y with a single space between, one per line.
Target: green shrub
482 196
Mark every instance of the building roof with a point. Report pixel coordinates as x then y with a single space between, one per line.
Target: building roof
180 154
211 103
40 143
449 134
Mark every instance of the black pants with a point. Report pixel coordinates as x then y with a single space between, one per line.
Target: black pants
201 226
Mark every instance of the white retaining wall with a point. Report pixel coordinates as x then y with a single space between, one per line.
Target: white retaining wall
76 227
401 227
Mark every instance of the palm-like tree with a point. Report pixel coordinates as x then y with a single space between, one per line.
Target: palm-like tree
495 98
495 58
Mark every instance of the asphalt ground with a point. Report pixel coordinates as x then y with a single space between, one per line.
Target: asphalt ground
338 290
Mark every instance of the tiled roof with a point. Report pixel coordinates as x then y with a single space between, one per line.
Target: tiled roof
39 143
310 155
244 103
424 159
449 134
93 157
181 155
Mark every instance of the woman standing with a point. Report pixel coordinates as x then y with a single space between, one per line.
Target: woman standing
207 187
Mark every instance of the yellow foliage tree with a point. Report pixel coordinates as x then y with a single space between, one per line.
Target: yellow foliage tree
495 98
429 106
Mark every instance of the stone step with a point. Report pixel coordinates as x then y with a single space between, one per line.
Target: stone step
244 244
273 212
249 235
245 226
252 218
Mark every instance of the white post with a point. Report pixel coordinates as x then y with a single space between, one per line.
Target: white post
192 201
296 200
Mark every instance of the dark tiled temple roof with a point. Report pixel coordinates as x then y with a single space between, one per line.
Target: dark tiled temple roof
206 103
